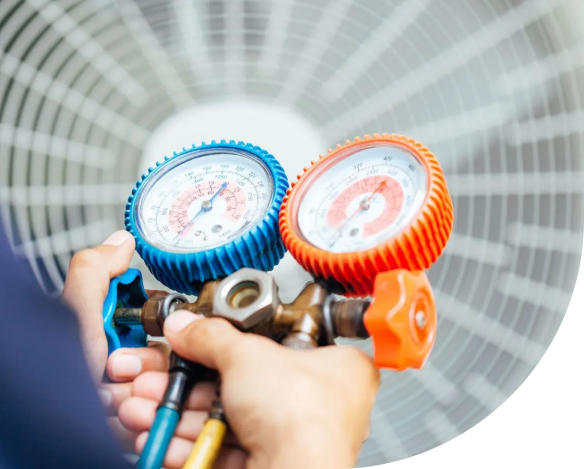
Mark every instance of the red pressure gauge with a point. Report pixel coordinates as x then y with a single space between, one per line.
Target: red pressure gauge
373 205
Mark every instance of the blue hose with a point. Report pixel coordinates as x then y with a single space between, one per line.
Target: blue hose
159 438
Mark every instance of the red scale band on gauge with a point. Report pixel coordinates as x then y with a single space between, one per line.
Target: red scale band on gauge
181 212
384 186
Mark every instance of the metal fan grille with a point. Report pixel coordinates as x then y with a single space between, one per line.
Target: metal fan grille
494 88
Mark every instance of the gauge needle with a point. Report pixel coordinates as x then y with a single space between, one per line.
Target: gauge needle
364 205
206 206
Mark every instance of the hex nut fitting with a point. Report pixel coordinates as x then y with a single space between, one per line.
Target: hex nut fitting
246 298
152 315
156 310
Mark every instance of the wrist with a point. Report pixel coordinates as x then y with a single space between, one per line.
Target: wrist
309 448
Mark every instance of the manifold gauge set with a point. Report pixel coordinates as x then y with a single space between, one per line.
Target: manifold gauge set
365 220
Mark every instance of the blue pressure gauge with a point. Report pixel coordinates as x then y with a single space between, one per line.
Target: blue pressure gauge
207 212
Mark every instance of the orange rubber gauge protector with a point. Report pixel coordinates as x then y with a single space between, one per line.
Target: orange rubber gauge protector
373 205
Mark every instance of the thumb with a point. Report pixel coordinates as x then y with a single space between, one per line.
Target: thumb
86 288
213 342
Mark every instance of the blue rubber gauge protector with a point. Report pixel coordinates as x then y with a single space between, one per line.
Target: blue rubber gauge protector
207 212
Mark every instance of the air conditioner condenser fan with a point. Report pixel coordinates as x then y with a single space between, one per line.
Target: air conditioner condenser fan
94 92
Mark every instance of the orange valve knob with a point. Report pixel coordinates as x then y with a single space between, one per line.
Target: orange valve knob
373 205
401 320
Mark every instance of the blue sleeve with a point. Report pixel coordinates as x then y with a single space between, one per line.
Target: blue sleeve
50 412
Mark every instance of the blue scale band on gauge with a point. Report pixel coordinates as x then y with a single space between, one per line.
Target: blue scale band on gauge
207 212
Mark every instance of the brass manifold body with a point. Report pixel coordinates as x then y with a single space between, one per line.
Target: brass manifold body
249 300
401 320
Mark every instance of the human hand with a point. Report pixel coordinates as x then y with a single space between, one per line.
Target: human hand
85 290
286 408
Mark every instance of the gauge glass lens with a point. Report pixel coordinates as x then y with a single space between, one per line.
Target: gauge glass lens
360 200
203 199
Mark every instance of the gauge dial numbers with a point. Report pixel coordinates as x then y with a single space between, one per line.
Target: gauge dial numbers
377 199
226 209
370 202
204 201
375 204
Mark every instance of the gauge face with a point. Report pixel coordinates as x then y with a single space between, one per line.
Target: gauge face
361 199
203 199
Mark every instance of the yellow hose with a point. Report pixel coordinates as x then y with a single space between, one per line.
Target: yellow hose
207 446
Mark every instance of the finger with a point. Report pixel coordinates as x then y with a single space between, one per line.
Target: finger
137 415
360 363
212 342
86 288
179 450
176 455
125 364
152 386
112 395
231 458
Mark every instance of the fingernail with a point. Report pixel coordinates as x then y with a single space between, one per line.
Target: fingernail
178 320
106 397
126 366
117 239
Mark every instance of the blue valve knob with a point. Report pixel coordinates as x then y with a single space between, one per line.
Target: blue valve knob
125 291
